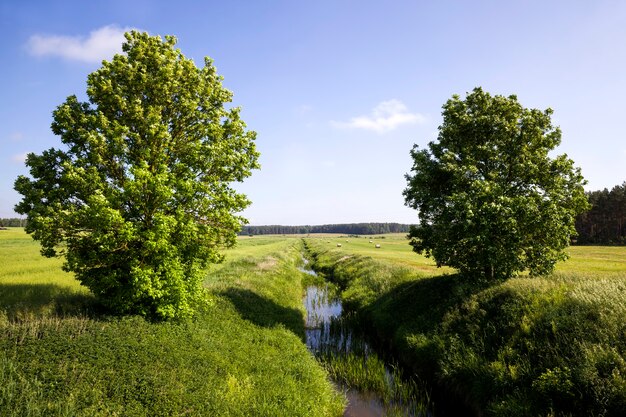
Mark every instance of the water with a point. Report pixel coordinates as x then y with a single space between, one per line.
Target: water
373 387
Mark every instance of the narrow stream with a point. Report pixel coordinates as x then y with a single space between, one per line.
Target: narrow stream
373 387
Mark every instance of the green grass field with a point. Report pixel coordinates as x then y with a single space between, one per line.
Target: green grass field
243 355
21 263
601 260
395 248
552 345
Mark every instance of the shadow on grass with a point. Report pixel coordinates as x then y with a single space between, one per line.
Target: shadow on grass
265 312
424 301
418 307
19 301
407 320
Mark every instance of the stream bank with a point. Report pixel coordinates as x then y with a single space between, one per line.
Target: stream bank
373 386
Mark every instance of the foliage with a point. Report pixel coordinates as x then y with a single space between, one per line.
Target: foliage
552 345
605 222
555 343
61 358
140 201
491 201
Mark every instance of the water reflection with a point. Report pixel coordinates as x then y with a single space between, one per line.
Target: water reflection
373 388
322 309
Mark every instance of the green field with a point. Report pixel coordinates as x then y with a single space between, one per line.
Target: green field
395 248
550 345
243 355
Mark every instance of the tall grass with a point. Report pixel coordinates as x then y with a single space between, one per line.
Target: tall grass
553 345
242 355
352 363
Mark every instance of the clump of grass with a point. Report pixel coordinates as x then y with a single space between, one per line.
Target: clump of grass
554 343
366 372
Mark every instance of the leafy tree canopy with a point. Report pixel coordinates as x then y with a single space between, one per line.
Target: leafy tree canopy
491 201
139 200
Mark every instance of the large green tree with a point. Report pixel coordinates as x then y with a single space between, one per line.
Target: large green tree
490 198
139 198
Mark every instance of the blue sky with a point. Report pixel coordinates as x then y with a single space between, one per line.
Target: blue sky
338 91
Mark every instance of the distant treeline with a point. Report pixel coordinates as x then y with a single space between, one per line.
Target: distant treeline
605 223
348 229
13 222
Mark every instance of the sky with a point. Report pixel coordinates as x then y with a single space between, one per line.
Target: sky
338 91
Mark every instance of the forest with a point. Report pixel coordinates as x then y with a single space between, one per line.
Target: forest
12 222
349 229
605 223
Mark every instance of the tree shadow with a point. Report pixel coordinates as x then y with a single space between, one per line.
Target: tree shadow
407 319
264 312
424 301
22 301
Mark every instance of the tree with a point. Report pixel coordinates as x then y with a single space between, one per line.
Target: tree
140 200
491 201
605 222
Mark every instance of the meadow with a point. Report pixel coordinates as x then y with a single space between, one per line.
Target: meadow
243 355
551 345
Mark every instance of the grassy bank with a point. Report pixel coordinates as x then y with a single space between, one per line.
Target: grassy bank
553 345
61 355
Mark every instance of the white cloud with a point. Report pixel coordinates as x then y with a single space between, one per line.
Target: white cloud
101 44
387 116
19 158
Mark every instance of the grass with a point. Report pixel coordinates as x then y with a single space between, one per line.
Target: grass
394 248
599 260
358 367
243 355
553 345
21 263
354 365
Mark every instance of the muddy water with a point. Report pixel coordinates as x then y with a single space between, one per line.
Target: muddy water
329 336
